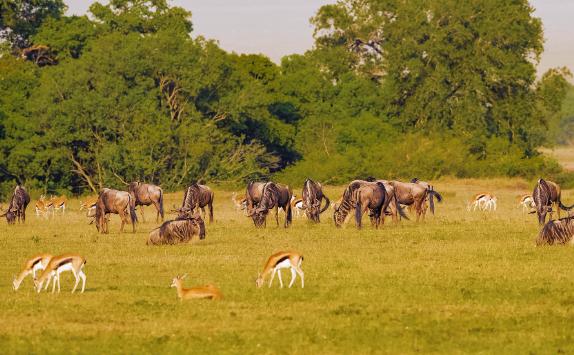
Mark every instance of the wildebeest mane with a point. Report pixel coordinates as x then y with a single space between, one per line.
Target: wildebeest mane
559 231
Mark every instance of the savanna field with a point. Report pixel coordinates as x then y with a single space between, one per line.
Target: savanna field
458 282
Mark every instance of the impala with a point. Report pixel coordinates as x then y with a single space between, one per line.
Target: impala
31 266
207 291
58 264
282 260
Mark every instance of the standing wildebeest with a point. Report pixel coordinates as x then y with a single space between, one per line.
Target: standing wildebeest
180 230
198 196
391 203
147 194
431 193
557 232
272 196
361 195
547 193
17 207
118 202
408 193
312 198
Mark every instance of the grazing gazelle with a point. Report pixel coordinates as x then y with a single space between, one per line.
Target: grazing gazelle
207 291
527 203
282 260
31 266
482 201
58 264
58 203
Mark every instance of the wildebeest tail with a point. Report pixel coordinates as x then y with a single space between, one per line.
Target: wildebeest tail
358 211
327 203
132 207
161 203
399 208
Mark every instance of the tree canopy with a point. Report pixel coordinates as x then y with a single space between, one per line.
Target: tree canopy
392 88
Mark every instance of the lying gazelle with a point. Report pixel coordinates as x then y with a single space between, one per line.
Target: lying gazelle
282 260
482 201
58 264
199 292
31 266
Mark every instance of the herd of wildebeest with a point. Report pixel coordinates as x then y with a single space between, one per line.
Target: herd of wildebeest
378 198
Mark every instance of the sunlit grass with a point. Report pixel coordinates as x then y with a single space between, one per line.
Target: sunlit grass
468 282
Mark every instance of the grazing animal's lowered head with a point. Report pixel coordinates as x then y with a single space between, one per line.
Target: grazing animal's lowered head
559 231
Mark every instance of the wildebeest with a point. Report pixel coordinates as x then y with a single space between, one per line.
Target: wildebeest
270 196
118 202
408 193
361 195
147 194
559 231
17 207
180 230
431 193
391 205
547 193
312 198
196 196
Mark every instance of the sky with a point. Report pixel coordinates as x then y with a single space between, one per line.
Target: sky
281 27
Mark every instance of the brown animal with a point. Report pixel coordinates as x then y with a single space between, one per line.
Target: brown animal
391 205
41 206
312 198
181 230
273 196
431 194
17 207
145 195
240 202
557 232
58 203
117 202
282 260
408 193
203 292
546 195
253 195
196 196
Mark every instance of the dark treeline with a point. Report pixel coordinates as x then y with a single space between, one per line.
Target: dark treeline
391 88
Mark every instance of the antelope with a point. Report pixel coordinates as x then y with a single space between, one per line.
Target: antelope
482 201
207 291
58 264
89 204
31 266
41 206
58 203
240 202
282 260
527 203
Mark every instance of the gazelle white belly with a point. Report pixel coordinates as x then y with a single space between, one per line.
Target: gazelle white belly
285 264
38 267
65 267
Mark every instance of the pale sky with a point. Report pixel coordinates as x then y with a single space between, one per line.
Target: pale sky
281 27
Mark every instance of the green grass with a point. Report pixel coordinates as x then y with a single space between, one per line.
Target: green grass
459 282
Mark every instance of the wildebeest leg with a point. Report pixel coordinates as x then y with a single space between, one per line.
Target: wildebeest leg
156 205
210 206
277 215
203 210
142 212
418 209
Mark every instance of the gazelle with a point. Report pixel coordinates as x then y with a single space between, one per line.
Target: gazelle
297 206
58 264
207 291
41 206
58 203
31 266
282 260
240 202
527 203
482 201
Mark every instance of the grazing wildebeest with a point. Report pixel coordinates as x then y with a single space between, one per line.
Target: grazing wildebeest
408 193
431 193
273 196
147 194
196 196
391 205
180 230
362 195
253 194
547 193
17 207
118 202
312 198
559 231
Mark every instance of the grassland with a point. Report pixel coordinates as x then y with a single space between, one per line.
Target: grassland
459 282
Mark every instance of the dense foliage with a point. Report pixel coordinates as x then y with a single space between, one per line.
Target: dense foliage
392 88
